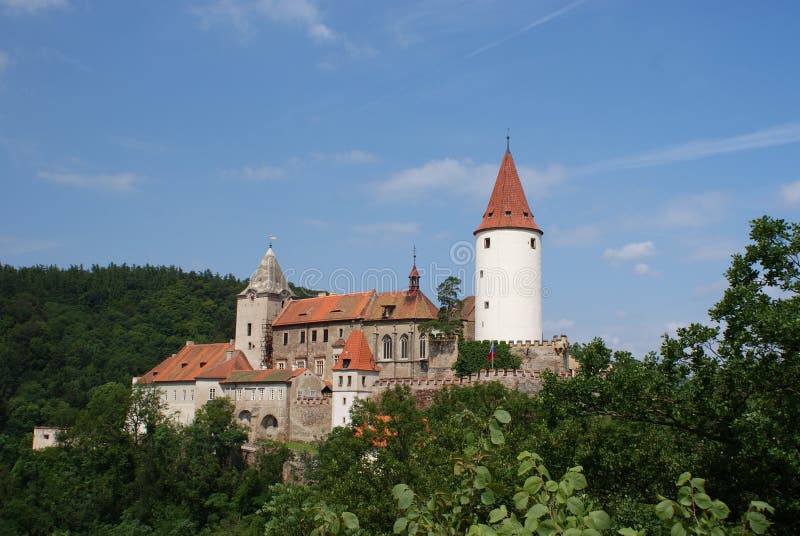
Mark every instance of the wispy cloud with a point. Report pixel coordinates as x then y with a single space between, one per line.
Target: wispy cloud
696 150
255 173
673 326
643 269
538 22
790 194
576 236
32 7
558 325
693 210
383 228
115 182
634 250
14 245
244 15
354 156
463 176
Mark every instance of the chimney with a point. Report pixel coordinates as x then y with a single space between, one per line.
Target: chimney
228 355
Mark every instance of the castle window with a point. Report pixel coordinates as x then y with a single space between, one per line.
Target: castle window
313 335
486 305
272 394
191 392
212 394
249 329
184 395
387 347
344 401
302 337
508 213
301 363
261 393
285 339
363 381
487 242
422 347
252 394
174 394
341 331
336 358
533 243
281 365
341 381
349 381
325 335
280 393
320 363
481 273
404 347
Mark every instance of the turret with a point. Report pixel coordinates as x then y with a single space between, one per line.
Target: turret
353 376
508 263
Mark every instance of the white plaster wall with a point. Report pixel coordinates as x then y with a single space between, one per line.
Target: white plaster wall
511 283
180 400
344 396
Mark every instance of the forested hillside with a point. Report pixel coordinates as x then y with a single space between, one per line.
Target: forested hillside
65 331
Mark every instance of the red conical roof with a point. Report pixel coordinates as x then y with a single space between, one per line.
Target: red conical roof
356 354
507 207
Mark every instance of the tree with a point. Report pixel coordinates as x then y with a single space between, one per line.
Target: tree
448 322
473 356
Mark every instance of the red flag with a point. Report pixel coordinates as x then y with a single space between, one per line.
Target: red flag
492 353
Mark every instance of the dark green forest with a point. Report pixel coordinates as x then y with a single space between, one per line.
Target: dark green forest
700 436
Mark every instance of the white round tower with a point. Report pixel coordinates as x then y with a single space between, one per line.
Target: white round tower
508 264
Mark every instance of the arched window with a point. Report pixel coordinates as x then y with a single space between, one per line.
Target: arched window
244 417
269 422
404 347
422 348
387 347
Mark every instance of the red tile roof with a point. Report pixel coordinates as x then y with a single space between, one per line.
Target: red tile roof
324 309
507 207
237 363
403 306
356 354
190 362
339 343
468 309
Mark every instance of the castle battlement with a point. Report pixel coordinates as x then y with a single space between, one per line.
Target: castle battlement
558 341
305 401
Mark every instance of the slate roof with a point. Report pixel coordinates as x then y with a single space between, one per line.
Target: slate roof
356 355
191 361
508 208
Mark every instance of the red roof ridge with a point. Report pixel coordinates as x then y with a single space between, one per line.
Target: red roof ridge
508 208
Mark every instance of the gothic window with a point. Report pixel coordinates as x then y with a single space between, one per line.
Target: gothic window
404 347
387 347
487 242
422 353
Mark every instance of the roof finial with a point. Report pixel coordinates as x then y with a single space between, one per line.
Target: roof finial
508 140
415 254
271 238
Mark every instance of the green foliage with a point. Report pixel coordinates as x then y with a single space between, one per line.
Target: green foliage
472 357
303 292
448 323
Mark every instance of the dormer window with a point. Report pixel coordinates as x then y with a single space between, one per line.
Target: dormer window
183 365
525 214
388 310
202 364
345 364
508 213
491 214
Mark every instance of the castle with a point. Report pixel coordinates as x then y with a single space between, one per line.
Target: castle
296 366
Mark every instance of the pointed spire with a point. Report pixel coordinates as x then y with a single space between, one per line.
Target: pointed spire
268 277
508 208
413 277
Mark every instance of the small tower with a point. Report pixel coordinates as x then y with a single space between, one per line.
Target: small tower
413 277
508 264
353 376
256 307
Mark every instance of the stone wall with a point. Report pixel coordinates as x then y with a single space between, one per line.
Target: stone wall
310 419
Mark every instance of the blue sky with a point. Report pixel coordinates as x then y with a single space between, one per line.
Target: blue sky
646 134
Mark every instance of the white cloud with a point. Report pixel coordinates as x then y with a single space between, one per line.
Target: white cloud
630 251
558 325
116 182
12 245
693 211
383 228
255 173
672 327
790 193
464 176
320 33
30 7
538 22
696 150
354 156
577 236
644 269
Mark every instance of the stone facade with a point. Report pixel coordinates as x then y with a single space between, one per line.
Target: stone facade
46 436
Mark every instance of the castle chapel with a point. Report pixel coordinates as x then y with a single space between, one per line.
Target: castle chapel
296 366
